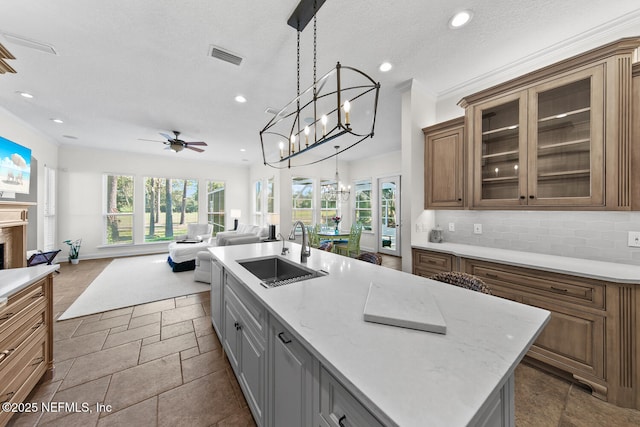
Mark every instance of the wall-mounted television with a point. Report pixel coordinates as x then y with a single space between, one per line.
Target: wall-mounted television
15 167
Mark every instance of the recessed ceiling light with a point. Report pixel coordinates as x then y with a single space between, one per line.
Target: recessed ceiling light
25 95
57 120
385 66
460 19
241 99
243 150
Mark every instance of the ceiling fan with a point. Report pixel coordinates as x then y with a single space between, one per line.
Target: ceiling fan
176 144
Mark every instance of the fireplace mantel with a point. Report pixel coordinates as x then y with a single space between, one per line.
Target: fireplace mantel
13 232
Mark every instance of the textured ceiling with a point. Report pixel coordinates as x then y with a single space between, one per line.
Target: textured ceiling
126 70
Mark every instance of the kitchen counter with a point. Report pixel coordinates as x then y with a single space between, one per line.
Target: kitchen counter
13 280
612 272
404 377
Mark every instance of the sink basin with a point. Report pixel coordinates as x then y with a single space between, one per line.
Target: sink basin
276 271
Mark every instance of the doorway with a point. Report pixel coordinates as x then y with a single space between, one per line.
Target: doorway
389 215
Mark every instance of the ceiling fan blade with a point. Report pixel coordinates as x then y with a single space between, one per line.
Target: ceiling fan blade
169 138
196 143
151 140
199 150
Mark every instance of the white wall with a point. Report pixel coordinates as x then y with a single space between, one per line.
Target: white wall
45 151
80 198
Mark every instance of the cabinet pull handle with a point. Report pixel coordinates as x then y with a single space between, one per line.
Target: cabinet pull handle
430 261
238 326
522 197
6 353
284 340
37 361
8 396
341 421
492 275
37 325
532 196
561 290
38 295
6 316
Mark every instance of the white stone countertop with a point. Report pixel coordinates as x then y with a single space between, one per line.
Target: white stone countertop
405 377
599 270
13 280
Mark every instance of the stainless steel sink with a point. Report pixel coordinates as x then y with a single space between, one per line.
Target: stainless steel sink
276 271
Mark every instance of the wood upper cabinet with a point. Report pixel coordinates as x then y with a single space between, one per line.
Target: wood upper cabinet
540 140
444 165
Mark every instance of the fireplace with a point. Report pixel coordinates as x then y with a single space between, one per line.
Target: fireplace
13 233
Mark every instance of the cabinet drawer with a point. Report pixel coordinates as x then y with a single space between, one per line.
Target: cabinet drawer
340 408
426 263
28 360
556 286
15 337
22 302
247 306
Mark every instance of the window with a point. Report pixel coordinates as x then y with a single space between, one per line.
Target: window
328 208
270 196
215 205
363 211
258 202
170 204
302 198
49 224
118 209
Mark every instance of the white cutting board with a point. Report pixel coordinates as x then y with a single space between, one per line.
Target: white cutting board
407 306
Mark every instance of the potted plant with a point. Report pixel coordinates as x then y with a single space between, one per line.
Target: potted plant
74 250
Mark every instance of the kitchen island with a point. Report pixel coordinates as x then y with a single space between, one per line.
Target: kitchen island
352 372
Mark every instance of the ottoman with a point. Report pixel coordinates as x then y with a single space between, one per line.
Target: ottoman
182 256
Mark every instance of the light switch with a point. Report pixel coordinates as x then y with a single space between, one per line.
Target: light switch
477 228
634 239
452 226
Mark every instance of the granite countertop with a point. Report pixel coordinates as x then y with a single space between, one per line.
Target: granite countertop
13 280
599 270
405 377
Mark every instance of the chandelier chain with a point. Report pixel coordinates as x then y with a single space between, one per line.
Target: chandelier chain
315 11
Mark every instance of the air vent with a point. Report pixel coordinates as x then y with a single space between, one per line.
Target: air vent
224 55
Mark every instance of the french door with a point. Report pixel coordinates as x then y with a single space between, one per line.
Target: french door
389 215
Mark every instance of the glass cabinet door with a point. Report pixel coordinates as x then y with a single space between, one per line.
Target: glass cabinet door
565 150
501 153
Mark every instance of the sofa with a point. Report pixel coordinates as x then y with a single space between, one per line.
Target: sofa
244 234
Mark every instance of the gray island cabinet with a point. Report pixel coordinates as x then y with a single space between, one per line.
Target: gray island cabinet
304 356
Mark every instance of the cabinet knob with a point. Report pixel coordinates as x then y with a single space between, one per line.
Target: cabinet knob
237 325
341 421
522 197
459 199
284 340
532 197
6 316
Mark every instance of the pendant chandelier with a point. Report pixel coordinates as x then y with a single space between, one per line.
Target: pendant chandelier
322 112
335 191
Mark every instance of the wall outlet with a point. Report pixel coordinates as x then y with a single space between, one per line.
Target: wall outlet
634 239
418 227
452 226
477 228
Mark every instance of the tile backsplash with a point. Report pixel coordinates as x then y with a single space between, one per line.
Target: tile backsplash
599 236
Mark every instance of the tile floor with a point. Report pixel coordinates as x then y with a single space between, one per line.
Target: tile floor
160 364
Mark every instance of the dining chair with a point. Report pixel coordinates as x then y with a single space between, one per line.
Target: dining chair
352 247
371 257
463 280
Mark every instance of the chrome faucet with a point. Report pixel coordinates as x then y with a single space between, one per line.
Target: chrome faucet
305 251
284 248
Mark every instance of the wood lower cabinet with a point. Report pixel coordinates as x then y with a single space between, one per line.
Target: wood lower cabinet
26 342
428 263
444 165
592 335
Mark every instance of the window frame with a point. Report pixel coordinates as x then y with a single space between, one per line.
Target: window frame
356 209
106 214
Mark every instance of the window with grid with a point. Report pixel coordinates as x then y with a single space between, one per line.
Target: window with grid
328 208
270 195
215 205
257 202
118 209
170 204
302 200
362 205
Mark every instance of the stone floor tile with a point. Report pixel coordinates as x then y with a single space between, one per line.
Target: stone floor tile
208 343
168 346
203 326
151 339
237 391
176 329
180 314
64 330
88 394
80 419
202 402
539 397
153 307
207 309
192 299
116 313
583 409
141 382
101 363
146 319
101 325
202 365
78 346
189 353
144 413
242 418
117 338
44 393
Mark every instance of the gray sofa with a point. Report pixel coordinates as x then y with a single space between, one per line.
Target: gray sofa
244 234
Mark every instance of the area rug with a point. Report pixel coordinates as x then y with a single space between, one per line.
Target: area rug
132 281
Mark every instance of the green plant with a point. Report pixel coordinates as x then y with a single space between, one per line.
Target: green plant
74 248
